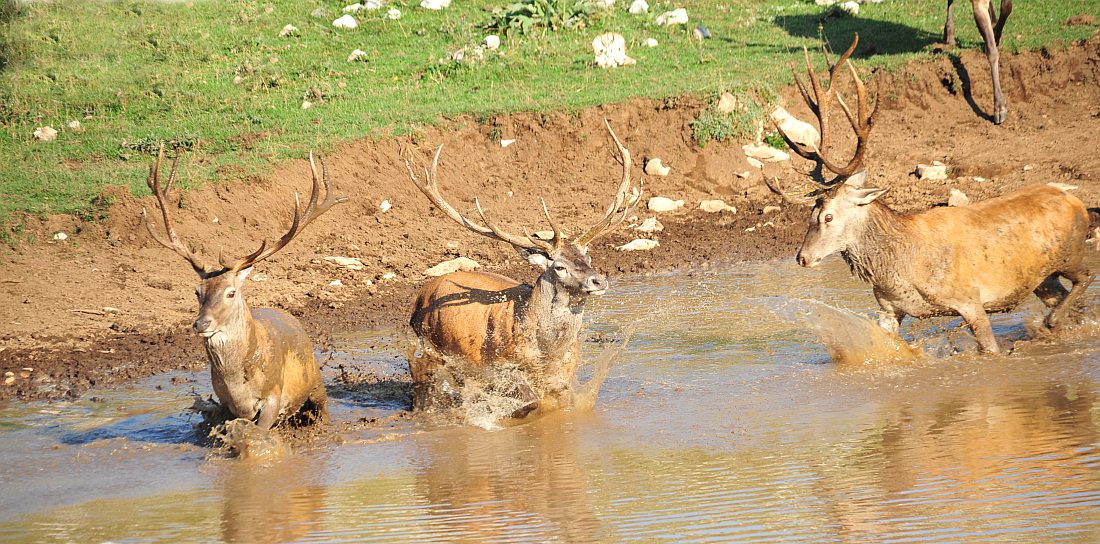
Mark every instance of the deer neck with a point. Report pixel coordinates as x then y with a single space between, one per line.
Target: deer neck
552 319
235 346
879 249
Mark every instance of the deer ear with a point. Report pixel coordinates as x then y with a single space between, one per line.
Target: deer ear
243 274
864 196
856 180
539 260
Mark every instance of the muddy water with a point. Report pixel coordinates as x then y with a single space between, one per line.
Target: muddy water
722 421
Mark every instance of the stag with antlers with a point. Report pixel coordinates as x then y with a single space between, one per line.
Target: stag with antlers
488 320
262 365
944 261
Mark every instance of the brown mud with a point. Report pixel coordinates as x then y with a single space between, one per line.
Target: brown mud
108 305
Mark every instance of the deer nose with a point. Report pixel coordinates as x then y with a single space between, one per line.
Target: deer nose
201 324
596 284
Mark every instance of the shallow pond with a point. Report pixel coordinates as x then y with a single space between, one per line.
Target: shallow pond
723 420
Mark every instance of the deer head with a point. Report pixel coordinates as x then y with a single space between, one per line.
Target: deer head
564 262
221 303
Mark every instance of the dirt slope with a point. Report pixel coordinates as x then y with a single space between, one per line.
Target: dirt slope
53 294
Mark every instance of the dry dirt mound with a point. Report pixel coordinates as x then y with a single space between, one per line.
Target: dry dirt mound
56 295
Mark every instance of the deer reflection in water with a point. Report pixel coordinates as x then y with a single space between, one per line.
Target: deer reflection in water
276 502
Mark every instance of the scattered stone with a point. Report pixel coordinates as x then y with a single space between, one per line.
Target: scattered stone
655 168
1028 167
73 125
358 54
385 206
754 163
610 50
345 21
506 143
336 283
639 244
678 16
651 224
389 276
771 209
289 30
393 14
663 204
716 206
701 33
45 134
351 263
255 276
491 42
825 3
543 234
605 4
353 8
435 4
957 198
237 80
850 7
745 174
935 171
453 265
800 132
727 103
60 236
9 378
639 7
1062 186
650 42
306 104
979 179
319 13
372 5
764 153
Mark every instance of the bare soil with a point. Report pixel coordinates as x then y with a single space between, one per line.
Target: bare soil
108 305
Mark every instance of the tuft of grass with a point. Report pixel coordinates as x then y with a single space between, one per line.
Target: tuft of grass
215 74
740 124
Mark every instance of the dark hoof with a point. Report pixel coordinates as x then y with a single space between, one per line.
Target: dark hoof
1000 116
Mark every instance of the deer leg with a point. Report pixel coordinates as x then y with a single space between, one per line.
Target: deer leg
1051 291
985 26
1006 9
1081 279
889 318
319 400
949 26
269 412
978 320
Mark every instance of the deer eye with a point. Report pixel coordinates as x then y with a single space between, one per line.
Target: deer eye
230 293
559 268
828 217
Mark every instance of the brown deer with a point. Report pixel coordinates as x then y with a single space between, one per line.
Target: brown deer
990 26
262 365
965 261
487 320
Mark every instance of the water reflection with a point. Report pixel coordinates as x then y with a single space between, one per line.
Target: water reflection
261 502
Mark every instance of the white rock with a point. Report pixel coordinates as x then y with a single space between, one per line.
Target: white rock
288 30
351 263
650 42
237 80
385 206
61 236
979 179
353 8
610 50
655 168
851 7
73 125
319 13
435 4
45 134
345 21
764 153
825 2
797 130
371 5
358 54
957 198
935 171
745 174
663 204
306 104
491 42
640 244
393 14
605 4
506 143
727 103
453 265
639 7
754 163
389 276
678 16
335 283
1062 186
770 209
1028 167
651 224
716 206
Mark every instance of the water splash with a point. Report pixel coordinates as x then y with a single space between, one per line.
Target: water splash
849 338
244 440
584 395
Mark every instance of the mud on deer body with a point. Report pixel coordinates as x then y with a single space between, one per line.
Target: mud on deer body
262 365
964 261
486 320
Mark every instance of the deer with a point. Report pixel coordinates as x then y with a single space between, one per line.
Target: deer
262 365
963 261
990 26
488 320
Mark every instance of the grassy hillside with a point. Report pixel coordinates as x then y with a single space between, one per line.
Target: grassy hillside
217 77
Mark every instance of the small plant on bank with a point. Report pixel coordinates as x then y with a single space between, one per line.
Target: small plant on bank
527 15
739 124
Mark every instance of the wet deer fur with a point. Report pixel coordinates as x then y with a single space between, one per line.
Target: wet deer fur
262 365
486 319
965 261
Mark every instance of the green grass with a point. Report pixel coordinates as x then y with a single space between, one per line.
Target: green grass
136 72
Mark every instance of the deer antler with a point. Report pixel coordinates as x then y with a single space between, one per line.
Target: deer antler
174 243
527 243
624 202
820 104
301 220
